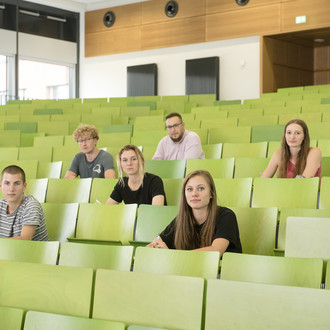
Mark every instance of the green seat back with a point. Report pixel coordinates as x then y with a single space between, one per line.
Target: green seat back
26 127
324 202
53 127
230 134
250 167
11 318
253 150
8 154
267 133
62 153
174 169
130 297
42 154
212 151
173 189
102 189
51 141
37 188
49 170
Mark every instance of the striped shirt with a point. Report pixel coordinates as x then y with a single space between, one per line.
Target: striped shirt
29 213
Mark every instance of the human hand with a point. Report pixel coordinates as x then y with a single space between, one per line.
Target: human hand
158 243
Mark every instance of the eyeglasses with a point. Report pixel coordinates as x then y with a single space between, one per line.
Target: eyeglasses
173 126
84 140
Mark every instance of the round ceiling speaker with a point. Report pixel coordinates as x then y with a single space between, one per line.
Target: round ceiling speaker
109 18
242 2
171 8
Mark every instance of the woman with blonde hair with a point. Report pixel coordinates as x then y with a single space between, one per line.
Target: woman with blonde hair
200 224
137 187
296 158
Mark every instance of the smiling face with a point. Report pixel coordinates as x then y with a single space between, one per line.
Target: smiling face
129 162
197 193
294 135
175 128
87 144
13 187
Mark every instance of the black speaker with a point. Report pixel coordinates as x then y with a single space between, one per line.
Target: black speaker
242 2
109 18
171 8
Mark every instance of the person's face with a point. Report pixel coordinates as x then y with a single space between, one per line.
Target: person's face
197 192
87 144
13 187
294 135
175 128
129 162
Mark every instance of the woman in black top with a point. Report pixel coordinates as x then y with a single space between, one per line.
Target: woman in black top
201 224
137 187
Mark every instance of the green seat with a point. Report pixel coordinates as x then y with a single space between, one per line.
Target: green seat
30 167
62 153
202 99
308 118
29 251
212 151
40 321
263 306
133 112
296 212
257 229
250 167
47 288
118 128
300 230
248 120
26 127
325 166
203 264
203 134
51 141
149 123
174 169
117 139
8 154
49 170
95 100
324 145
96 256
303 272
147 228
48 111
106 110
234 192
319 131
218 168
327 277
267 133
11 318
281 192
218 123
142 298
324 202
27 139
101 189
173 189
37 188
253 150
148 151
60 220
112 224
68 191
42 154
230 134
10 138
98 120
150 138
53 127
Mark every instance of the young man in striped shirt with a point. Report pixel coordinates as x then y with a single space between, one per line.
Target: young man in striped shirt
21 216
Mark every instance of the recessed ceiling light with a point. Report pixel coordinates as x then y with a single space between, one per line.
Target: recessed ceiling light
319 40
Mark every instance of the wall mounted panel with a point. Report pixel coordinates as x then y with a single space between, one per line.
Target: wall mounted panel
174 33
245 22
118 41
154 11
126 16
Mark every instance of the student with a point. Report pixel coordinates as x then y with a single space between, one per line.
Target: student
180 143
91 162
296 158
137 186
21 216
200 224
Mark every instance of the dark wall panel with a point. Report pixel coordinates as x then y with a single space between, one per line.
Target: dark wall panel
142 80
202 76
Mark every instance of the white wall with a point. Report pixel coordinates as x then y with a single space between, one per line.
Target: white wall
105 76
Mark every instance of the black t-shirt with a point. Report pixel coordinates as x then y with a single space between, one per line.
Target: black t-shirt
152 186
225 227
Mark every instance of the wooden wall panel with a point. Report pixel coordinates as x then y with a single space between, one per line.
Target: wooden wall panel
246 22
322 65
154 11
126 16
316 12
118 41
174 33
216 6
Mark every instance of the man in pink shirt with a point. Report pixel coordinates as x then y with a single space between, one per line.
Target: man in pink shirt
180 143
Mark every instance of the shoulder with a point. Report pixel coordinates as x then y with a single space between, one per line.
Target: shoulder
314 152
151 177
191 135
225 211
104 154
31 201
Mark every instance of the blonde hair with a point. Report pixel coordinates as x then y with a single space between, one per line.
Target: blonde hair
89 130
186 235
139 156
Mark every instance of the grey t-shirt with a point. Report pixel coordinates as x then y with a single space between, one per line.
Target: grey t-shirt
29 213
94 169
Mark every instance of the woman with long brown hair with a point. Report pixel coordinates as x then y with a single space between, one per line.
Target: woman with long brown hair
200 224
295 158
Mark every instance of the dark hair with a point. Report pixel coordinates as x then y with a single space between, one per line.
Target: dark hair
186 235
13 169
302 154
173 114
